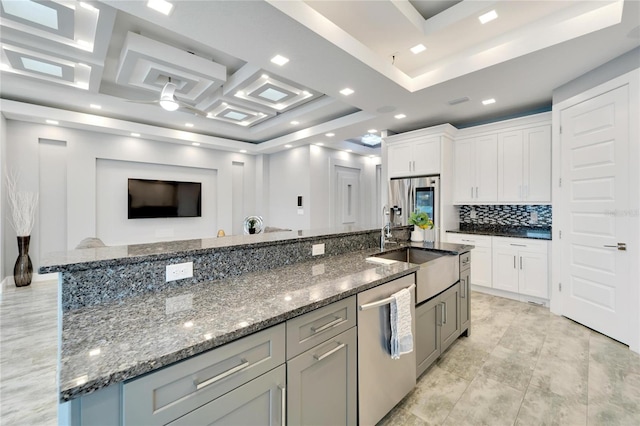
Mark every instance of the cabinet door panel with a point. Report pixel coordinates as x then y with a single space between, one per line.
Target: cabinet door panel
322 383
486 168
426 155
427 334
537 165
505 269
258 403
451 324
399 159
463 165
481 266
510 185
534 280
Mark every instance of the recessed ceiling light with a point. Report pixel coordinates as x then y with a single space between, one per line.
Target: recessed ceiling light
372 131
195 143
488 101
488 17
294 122
346 91
329 135
320 144
265 76
288 146
239 93
188 124
418 48
400 116
243 151
52 122
161 6
95 106
279 60
135 135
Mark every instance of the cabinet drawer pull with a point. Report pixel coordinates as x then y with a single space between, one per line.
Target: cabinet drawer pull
221 376
469 241
472 192
514 262
336 321
476 192
331 352
283 405
518 245
444 313
464 288
520 262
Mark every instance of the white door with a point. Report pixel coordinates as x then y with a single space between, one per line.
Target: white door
463 162
510 166
486 168
399 159
348 199
533 274
595 178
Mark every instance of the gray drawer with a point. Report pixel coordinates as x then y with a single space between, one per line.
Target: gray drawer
465 260
310 329
167 394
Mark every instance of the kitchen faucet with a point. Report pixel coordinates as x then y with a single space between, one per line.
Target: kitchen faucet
385 232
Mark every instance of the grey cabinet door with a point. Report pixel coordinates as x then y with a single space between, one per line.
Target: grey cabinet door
450 328
322 383
428 319
259 403
465 300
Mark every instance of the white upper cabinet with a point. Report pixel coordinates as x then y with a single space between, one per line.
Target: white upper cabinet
524 165
475 164
414 158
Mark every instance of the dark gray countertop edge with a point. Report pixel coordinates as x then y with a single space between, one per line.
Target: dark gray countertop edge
70 393
500 234
210 244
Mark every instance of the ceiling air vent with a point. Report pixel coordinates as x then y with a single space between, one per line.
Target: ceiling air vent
458 101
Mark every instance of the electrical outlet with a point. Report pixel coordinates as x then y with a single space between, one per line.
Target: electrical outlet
473 214
317 249
534 218
179 271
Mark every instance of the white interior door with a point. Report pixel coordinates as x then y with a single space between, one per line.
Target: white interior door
595 179
348 200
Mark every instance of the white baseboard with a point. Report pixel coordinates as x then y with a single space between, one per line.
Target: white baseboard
509 295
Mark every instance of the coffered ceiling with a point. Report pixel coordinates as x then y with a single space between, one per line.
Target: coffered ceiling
105 65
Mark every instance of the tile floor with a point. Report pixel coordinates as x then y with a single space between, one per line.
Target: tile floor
523 365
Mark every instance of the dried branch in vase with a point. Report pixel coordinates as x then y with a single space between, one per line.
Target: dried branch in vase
23 206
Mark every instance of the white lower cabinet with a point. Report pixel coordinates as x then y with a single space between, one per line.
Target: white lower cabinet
481 265
521 266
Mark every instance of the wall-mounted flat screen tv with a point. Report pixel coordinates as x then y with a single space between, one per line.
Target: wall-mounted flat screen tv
163 198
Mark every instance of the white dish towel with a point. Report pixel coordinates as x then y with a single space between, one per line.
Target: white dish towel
401 336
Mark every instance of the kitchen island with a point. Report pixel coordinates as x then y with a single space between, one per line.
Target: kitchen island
109 342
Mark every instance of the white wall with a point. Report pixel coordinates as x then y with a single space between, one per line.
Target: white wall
289 177
84 150
114 228
3 196
323 162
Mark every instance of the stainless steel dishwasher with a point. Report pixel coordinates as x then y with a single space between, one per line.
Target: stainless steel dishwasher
382 381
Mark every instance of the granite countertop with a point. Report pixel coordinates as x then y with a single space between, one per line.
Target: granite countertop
129 254
536 233
110 343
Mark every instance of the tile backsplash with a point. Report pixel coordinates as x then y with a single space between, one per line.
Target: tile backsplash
506 215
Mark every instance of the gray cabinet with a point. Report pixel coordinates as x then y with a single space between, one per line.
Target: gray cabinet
437 326
260 402
465 293
322 383
321 366
170 393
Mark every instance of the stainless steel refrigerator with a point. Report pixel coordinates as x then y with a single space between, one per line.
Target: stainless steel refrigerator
415 194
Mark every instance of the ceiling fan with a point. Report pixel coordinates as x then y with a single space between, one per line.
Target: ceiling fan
169 102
